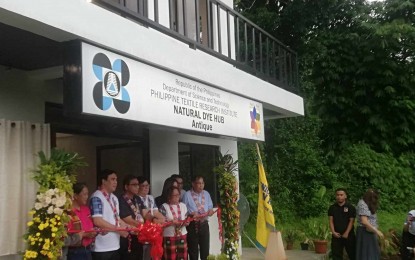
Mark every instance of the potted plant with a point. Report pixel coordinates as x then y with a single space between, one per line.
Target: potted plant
305 241
320 234
290 236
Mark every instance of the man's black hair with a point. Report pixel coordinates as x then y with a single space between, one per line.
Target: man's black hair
197 177
105 173
342 189
142 179
176 176
128 179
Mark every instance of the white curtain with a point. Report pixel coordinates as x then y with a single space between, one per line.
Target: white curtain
19 144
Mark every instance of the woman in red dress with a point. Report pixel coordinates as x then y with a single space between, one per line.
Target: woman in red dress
81 220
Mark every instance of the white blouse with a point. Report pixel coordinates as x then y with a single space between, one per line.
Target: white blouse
170 231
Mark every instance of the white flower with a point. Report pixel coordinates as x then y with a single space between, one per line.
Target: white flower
50 210
50 193
40 196
38 206
58 211
56 190
54 201
48 200
60 202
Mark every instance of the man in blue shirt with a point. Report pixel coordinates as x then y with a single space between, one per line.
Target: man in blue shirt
198 202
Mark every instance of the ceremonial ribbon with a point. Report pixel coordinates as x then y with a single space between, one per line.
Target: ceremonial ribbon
169 223
219 210
148 232
113 206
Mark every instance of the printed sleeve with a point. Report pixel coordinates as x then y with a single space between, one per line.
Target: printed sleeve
152 203
96 207
363 209
162 210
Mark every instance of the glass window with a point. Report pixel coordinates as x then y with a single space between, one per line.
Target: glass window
196 159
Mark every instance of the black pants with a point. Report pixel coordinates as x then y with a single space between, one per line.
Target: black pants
198 239
338 244
110 255
408 240
79 253
136 249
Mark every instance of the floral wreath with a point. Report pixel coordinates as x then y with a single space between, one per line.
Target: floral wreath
228 205
46 230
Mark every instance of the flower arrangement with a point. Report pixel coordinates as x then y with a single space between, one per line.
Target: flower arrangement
228 204
46 230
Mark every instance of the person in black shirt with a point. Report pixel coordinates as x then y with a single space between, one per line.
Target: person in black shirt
341 218
132 211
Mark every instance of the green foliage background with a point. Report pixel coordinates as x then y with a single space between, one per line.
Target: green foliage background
357 77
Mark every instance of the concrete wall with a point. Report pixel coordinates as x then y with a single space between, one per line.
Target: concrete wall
23 98
79 19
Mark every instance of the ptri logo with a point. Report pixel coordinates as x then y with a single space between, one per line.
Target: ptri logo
255 121
112 82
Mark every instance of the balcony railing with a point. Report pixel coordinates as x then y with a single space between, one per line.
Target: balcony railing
213 27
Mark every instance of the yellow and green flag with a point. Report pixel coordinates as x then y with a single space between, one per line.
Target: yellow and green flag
265 220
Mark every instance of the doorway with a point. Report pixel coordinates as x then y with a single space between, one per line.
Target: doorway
124 159
103 143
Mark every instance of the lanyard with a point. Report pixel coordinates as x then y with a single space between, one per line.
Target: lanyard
179 212
200 206
177 229
134 207
113 206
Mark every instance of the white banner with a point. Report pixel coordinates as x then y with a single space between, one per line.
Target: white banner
120 87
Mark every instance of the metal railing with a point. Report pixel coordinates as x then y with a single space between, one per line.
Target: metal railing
213 27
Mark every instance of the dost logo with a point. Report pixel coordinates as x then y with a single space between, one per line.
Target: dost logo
112 82
255 121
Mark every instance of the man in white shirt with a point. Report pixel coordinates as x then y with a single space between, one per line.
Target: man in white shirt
105 215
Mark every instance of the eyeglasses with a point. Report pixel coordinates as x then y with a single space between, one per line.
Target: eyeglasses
134 184
175 195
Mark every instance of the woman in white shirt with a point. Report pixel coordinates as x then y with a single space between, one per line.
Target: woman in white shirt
148 201
175 242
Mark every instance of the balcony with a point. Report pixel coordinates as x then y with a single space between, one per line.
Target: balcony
211 26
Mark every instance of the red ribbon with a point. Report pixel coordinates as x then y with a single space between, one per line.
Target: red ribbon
149 233
220 225
152 233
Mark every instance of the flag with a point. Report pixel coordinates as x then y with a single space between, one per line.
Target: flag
265 220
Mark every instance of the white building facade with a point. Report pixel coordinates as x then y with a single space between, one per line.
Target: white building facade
144 87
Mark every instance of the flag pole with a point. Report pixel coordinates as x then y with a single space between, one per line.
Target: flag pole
257 149
260 158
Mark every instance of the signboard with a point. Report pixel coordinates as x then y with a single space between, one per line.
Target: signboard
120 87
